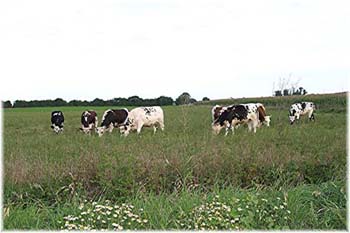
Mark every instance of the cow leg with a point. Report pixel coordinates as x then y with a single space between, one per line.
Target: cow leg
110 128
311 115
226 130
254 127
161 125
126 132
139 127
154 129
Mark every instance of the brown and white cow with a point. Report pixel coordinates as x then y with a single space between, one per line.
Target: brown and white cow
113 118
261 111
89 121
231 116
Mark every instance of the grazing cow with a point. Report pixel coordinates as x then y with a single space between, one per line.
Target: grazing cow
57 120
260 109
144 116
112 118
251 107
301 109
89 121
235 115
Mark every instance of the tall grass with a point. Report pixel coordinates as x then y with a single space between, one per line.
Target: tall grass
44 171
186 155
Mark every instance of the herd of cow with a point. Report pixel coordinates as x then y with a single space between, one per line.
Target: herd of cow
228 117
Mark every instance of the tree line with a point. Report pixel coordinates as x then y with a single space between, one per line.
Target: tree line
131 101
184 98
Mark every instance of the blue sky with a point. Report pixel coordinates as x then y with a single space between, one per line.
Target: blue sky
87 49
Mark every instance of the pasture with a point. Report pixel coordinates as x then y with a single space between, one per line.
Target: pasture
169 174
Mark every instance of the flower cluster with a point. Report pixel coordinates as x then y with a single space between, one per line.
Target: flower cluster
213 215
251 212
264 213
104 216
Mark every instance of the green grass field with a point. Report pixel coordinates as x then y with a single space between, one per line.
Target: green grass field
285 177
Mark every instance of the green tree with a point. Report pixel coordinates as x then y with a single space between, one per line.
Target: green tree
135 101
164 100
184 98
6 104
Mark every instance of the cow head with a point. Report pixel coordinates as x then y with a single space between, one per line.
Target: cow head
267 121
100 131
216 111
124 130
292 115
292 119
127 127
216 128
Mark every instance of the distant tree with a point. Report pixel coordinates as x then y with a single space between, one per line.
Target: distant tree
164 100
135 101
184 98
59 102
131 101
304 92
300 91
193 100
288 86
20 104
286 92
205 99
278 93
78 103
6 104
97 102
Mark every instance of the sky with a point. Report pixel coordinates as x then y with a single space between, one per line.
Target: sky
219 49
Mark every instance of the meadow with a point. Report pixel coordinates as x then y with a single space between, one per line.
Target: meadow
282 177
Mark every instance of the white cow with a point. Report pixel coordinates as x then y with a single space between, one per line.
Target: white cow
301 109
144 116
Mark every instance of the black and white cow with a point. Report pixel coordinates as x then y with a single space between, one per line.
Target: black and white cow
257 108
144 117
57 120
113 118
89 121
231 116
301 109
